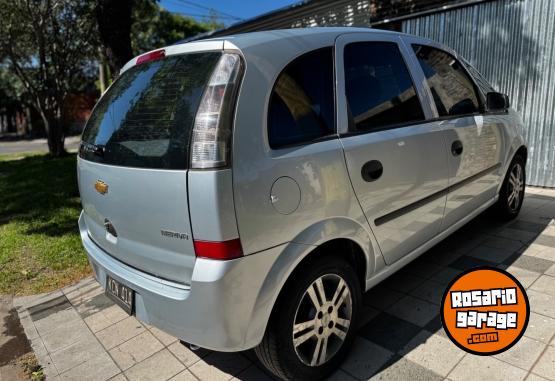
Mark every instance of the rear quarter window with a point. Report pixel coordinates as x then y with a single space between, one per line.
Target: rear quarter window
145 118
302 103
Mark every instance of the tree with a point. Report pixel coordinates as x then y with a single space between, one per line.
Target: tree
48 45
11 97
131 27
114 26
154 27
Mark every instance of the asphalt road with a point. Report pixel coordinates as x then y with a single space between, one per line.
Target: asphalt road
37 145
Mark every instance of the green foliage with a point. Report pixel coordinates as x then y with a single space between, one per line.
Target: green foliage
40 249
12 93
10 86
154 27
49 45
32 368
38 375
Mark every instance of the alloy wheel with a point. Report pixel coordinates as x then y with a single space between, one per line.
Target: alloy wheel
322 320
516 186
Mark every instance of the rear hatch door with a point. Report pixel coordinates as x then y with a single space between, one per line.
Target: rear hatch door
133 164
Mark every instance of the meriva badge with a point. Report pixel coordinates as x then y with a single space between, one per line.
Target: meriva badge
170 234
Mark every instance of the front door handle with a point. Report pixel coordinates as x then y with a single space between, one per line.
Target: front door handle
372 170
456 148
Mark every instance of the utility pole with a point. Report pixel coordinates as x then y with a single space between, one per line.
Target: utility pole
102 74
102 77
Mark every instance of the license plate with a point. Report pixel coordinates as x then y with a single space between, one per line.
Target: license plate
122 295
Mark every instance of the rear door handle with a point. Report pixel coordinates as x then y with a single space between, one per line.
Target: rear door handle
456 148
372 170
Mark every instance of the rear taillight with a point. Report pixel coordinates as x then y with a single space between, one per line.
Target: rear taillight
152 56
218 250
213 123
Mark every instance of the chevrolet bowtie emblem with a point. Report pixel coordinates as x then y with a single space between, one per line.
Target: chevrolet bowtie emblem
101 187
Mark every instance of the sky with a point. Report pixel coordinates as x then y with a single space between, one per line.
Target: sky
239 9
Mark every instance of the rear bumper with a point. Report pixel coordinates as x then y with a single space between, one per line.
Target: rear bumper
219 310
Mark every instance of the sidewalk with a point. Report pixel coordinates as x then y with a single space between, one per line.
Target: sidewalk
78 334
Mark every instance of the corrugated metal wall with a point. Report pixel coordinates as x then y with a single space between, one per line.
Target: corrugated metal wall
338 12
511 42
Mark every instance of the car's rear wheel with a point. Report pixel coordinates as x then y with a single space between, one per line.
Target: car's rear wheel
313 324
511 194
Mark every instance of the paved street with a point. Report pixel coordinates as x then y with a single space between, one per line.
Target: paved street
78 334
36 145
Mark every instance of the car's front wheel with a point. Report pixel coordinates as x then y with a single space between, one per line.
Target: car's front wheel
313 325
511 194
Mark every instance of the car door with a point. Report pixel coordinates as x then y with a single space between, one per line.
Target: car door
474 144
397 161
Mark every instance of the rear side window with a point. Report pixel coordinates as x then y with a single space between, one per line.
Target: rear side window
378 86
302 105
146 117
453 91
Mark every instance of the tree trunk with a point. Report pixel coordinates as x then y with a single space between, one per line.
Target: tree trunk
54 135
28 126
114 24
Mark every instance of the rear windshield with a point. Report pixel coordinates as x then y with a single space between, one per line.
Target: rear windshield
145 118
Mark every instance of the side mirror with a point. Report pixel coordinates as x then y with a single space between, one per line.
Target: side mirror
497 102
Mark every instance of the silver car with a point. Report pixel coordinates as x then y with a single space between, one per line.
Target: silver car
244 191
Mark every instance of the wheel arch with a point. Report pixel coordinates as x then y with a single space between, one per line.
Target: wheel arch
342 233
348 237
518 147
522 151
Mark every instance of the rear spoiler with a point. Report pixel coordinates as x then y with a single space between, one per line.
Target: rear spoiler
189 47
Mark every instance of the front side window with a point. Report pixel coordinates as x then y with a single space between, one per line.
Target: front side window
482 83
302 101
378 86
453 91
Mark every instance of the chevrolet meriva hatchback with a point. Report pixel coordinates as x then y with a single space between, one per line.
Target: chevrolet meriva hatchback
243 191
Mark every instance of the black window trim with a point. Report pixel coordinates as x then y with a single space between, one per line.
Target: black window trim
330 136
385 128
466 65
452 117
389 126
500 112
320 139
480 96
483 95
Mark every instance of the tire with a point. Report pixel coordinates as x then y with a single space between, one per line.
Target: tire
295 305
511 198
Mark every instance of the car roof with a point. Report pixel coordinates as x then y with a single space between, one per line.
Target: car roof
277 42
245 40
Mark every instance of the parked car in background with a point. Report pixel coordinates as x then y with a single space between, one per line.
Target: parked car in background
244 191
